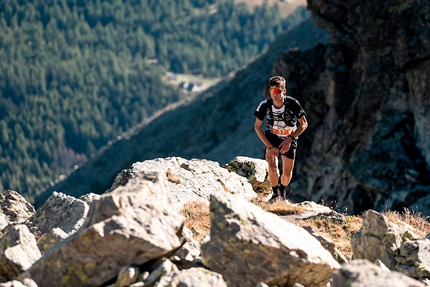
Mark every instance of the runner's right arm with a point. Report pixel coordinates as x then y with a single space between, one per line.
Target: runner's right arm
271 151
259 130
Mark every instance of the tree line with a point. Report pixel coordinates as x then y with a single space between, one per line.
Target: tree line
75 74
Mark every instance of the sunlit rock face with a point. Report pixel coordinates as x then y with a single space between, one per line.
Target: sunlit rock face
367 97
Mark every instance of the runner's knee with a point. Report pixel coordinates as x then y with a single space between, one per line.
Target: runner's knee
272 163
287 175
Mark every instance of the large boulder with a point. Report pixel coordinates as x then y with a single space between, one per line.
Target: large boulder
193 277
59 211
380 239
248 245
18 251
253 169
413 259
131 225
190 180
364 273
14 208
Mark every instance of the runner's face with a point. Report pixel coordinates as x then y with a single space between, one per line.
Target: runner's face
276 92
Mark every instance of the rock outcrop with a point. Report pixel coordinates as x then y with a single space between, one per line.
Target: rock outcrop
133 235
243 237
191 180
14 208
364 273
132 225
397 245
380 239
18 251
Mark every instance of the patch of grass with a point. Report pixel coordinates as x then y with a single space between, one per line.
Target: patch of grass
281 207
172 177
414 219
197 218
340 235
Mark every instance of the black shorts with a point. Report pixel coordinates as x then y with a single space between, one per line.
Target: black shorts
276 142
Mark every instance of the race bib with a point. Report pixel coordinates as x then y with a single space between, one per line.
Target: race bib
283 131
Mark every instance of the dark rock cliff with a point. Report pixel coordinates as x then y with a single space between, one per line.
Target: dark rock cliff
367 95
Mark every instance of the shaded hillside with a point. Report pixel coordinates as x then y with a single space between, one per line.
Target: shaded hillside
367 95
217 124
75 74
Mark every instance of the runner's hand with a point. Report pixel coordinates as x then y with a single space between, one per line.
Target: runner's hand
285 145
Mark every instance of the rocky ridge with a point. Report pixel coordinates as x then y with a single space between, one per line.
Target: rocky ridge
134 235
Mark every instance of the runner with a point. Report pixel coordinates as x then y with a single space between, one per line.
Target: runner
286 120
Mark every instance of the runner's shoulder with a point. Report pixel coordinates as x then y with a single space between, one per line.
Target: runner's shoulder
288 97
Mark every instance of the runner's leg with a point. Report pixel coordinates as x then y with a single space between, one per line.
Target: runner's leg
287 170
273 170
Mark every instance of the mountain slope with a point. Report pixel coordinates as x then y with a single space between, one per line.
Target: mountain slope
75 74
366 94
217 124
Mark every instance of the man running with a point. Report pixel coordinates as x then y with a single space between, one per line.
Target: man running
281 133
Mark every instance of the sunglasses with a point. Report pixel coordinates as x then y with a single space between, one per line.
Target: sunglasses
276 91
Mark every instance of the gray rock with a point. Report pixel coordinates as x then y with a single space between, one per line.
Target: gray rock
191 180
314 208
193 277
24 283
50 239
89 197
413 258
245 238
161 268
188 255
14 209
60 210
380 239
131 225
18 251
251 168
362 272
127 276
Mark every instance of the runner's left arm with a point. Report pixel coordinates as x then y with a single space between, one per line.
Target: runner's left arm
301 128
